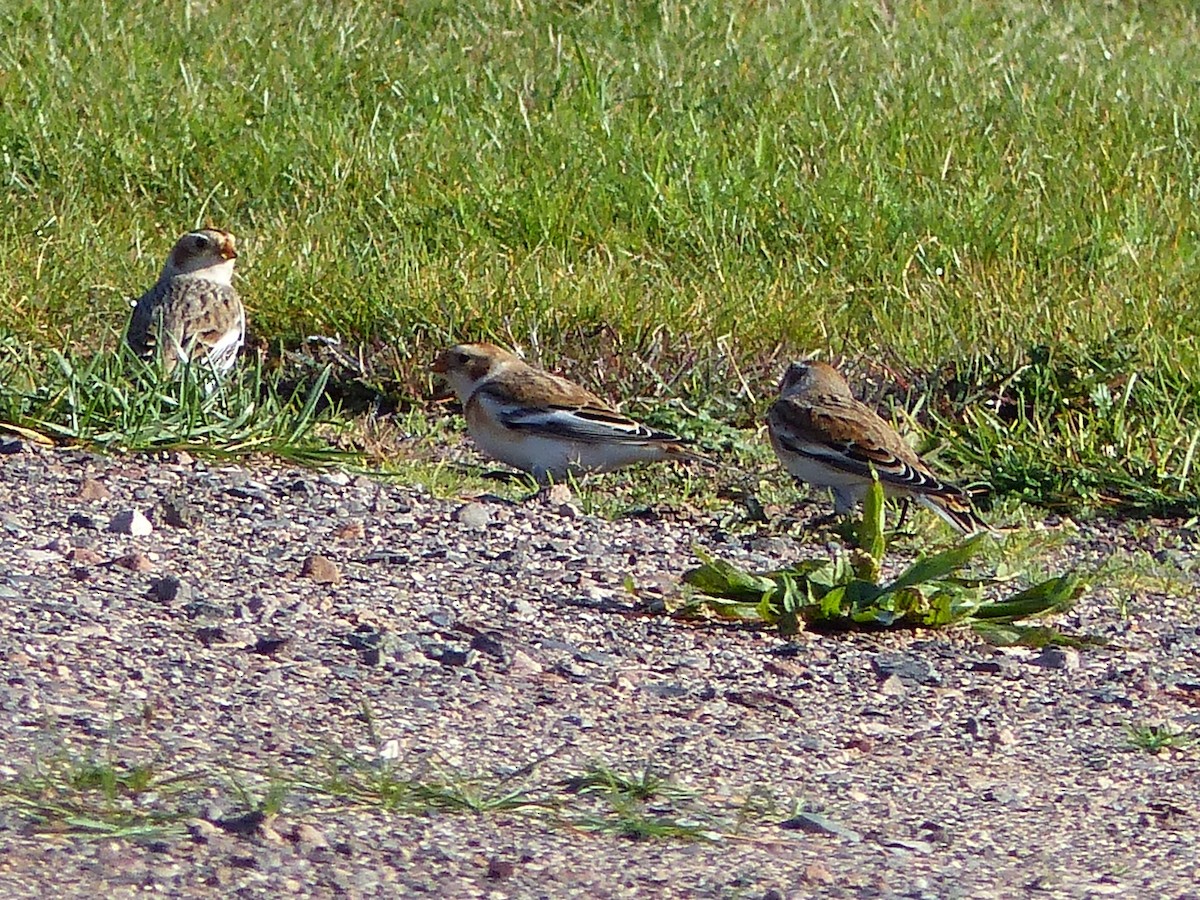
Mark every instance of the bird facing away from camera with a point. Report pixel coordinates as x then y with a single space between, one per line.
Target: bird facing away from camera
544 424
825 437
192 312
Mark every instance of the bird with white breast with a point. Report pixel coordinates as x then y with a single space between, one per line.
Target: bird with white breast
825 437
192 312
542 423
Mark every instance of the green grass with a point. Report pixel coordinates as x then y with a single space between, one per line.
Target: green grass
100 798
383 786
641 805
115 401
708 188
90 798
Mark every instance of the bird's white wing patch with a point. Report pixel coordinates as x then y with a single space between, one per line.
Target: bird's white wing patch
583 424
223 354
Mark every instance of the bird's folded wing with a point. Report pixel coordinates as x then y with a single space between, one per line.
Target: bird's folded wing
855 444
140 334
577 423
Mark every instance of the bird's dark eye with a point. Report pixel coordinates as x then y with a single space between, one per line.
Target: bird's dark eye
201 242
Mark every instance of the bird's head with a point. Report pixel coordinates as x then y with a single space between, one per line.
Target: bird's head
463 366
209 252
811 375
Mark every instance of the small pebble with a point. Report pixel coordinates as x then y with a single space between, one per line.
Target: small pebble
817 824
321 569
909 668
134 562
474 515
91 489
350 532
82 520
308 836
1055 657
84 556
499 869
178 513
169 589
818 873
522 664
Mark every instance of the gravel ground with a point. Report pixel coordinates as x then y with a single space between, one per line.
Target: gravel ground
273 621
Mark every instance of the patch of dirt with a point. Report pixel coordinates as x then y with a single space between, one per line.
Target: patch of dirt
294 624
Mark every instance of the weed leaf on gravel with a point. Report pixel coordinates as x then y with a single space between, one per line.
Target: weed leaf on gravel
844 592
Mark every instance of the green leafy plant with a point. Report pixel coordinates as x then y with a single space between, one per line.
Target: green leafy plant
847 592
1156 738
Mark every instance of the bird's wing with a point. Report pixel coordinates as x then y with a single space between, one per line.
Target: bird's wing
202 311
851 437
140 334
590 422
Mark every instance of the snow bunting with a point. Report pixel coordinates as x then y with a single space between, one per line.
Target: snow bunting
541 423
193 310
825 437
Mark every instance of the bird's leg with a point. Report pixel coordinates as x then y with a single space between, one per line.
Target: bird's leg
544 483
831 523
552 491
845 501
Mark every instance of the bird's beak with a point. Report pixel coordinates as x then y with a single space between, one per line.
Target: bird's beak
441 365
227 248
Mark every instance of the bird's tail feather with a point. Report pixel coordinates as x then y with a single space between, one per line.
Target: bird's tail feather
957 513
682 452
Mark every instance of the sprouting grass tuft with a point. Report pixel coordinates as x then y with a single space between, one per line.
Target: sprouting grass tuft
1156 738
642 786
99 799
114 401
382 785
641 804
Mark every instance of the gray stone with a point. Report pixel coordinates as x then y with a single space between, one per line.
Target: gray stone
908 668
812 823
83 520
1055 657
473 515
168 589
178 512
